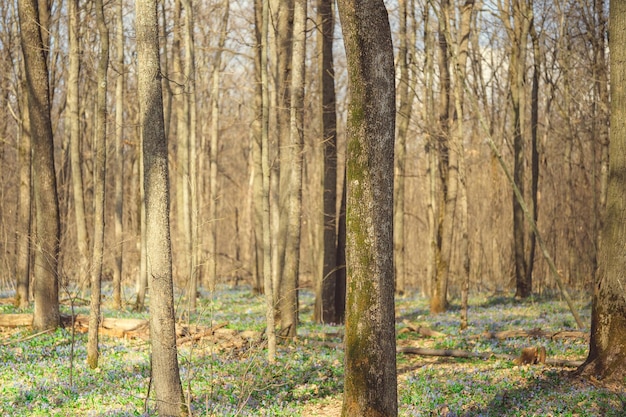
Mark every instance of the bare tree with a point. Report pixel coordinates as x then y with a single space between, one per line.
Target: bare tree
47 225
165 373
370 363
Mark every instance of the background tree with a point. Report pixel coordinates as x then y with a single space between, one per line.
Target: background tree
607 350
164 360
46 236
370 361
99 188
326 286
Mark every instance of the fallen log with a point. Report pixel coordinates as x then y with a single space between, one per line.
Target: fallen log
457 353
537 333
205 333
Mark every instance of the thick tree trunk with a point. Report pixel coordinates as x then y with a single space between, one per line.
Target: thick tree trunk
370 361
46 238
607 347
165 373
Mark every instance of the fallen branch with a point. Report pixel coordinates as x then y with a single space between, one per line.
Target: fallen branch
457 353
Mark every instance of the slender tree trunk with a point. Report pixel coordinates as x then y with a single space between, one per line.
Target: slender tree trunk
404 117
289 293
265 160
165 373
607 346
74 130
99 187
256 154
192 143
46 238
448 168
23 250
280 180
326 288
370 387
212 261
119 158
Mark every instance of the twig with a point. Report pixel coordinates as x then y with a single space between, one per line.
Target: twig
23 339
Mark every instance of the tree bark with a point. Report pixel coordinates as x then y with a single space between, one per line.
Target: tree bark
265 161
326 288
99 187
607 346
289 293
23 238
73 104
118 248
370 387
46 238
165 373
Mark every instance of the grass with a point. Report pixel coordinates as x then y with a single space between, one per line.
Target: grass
36 378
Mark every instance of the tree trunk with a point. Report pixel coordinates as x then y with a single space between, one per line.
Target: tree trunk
289 292
23 238
212 261
165 374
326 289
256 156
370 387
73 105
99 187
448 169
118 248
46 238
265 161
404 117
607 346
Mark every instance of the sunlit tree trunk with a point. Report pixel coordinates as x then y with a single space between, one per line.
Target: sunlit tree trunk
23 238
448 169
404 117
99 187
118 248
257 165
74 135
289 292
607 346
164 361
265 161
370 387
213 154
46 238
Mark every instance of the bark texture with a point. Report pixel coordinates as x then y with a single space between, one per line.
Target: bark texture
607 346
46 238
165 373
370 361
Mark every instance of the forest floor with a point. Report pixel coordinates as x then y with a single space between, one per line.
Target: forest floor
225 372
